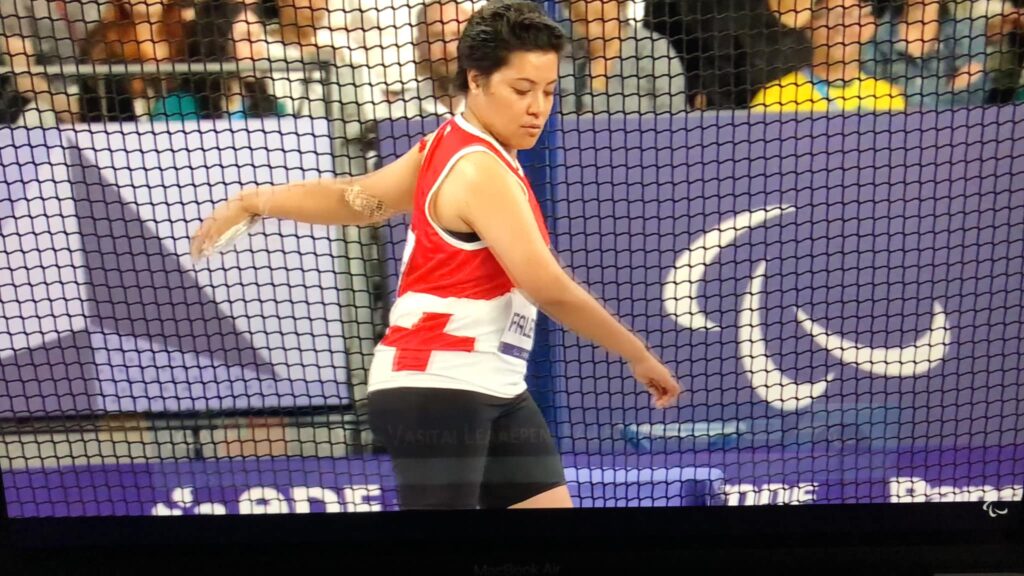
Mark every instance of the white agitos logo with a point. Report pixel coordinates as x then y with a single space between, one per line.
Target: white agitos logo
767 379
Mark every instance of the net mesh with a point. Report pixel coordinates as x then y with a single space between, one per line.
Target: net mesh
809 209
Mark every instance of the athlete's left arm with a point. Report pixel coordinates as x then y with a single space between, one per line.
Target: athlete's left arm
492 202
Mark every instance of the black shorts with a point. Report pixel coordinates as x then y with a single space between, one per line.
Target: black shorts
459 449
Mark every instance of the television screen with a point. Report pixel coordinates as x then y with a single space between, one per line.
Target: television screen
829 263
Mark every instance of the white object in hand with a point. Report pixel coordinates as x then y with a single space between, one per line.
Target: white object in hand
228 238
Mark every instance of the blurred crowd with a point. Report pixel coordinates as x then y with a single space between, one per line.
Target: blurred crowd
655 56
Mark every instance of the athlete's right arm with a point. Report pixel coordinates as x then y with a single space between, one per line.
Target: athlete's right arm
367 199
493 203
361 200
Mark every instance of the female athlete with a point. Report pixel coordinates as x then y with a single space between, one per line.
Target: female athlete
446 390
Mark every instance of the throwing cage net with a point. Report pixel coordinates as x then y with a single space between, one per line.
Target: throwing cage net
810 209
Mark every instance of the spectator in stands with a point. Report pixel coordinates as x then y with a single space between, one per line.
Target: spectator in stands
1004 17
616 66
730 48
12 102
1011 22
387 45
302 21
223 30
438 24
28 97
137 31
936 59
834 80
1006 46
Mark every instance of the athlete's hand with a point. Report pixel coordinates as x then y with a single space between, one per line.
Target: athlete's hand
662 385
229 217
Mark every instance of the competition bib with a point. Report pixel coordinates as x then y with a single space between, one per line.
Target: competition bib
517 339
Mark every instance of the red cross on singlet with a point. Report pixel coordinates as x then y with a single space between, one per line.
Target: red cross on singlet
427 331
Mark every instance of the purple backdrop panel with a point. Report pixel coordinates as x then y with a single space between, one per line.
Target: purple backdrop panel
837 284
112 315
45 353
837 295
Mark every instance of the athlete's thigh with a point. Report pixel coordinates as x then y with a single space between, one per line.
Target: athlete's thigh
437 439
523 460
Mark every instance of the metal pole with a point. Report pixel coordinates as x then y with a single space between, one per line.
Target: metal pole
232 67
357 247
539 164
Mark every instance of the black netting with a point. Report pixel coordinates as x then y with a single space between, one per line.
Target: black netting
809 210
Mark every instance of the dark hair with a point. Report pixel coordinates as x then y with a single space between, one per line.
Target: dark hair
12 103
896 8
501 28
208 35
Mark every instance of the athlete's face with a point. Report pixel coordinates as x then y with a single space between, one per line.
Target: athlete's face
515 102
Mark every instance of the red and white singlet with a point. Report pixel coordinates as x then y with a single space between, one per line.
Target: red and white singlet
458 322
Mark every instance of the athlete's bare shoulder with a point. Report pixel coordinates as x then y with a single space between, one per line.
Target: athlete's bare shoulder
475 176
394 186
480 171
